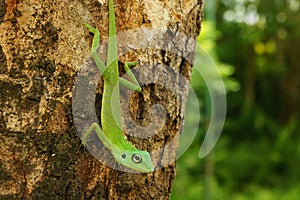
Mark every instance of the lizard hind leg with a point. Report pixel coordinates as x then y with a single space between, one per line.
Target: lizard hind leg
95 45
133 84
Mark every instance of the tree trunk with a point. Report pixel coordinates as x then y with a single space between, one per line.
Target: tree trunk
43 45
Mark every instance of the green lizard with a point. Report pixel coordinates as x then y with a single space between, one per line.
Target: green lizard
111 133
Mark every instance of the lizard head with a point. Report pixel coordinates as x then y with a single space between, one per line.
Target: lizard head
134 159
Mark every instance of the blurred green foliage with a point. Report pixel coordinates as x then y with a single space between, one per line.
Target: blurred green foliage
256 46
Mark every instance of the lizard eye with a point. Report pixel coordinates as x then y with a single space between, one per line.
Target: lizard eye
136 158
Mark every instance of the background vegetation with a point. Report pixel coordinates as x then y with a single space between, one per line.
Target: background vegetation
256 45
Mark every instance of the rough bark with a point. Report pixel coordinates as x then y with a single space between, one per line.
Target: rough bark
42 46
